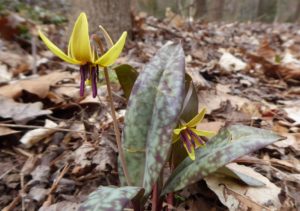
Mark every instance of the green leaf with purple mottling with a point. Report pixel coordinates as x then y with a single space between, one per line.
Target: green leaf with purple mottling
230 144
110 198
153 110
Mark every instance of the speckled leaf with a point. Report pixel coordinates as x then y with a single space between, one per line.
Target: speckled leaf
153 109
126 75
225 147
110 198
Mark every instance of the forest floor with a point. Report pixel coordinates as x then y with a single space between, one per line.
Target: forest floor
57 147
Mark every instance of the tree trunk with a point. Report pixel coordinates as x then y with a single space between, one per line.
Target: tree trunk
215 10
267 10
113 15
201 10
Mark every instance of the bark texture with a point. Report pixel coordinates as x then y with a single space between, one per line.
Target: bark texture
113 15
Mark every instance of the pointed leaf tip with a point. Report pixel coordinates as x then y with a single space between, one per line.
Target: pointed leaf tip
228 145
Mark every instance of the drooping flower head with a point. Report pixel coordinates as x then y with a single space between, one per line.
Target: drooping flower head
80 52
190 136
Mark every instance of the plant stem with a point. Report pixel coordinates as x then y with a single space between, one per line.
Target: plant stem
116 127
170 201
157 202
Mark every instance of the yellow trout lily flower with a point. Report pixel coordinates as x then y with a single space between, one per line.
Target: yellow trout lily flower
190 136
81 53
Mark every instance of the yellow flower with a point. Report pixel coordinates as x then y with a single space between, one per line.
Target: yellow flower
81 53
190 136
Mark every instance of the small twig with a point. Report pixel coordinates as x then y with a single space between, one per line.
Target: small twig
12 204
55 185
16 200
38 127
33 51
23 152
22 193
6 173
166 29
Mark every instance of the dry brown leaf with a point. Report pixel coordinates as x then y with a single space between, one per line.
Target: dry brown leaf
68 91
38 193
173 19
41 173
17 63
5 75
39 86
230 63
21 112
212 99
63 205
104 156
241 197
293 113
34 136
198 79
246 202
4 131
247 173
211 126
82 158
289 165
285 71
292 140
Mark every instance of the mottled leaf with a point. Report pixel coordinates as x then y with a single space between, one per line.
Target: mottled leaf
229 144
126 75
110 198
153 109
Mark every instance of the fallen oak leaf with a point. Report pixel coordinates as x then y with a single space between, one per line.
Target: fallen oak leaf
254 198
243 173
17 63
4 131
244 200
34 136
21 112
39 86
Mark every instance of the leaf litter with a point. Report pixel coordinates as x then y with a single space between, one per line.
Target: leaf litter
242 75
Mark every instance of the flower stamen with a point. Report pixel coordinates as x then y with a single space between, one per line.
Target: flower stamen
195 137
184 137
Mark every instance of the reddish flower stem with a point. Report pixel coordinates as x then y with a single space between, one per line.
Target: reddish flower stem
156 201
170 201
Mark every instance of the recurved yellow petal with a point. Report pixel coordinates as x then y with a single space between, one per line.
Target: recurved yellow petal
203 132
80 46
175 138
69 47
57 51
113 53
190 153
198 118
178 130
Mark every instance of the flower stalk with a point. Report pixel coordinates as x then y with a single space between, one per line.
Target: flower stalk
113 112
116 126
